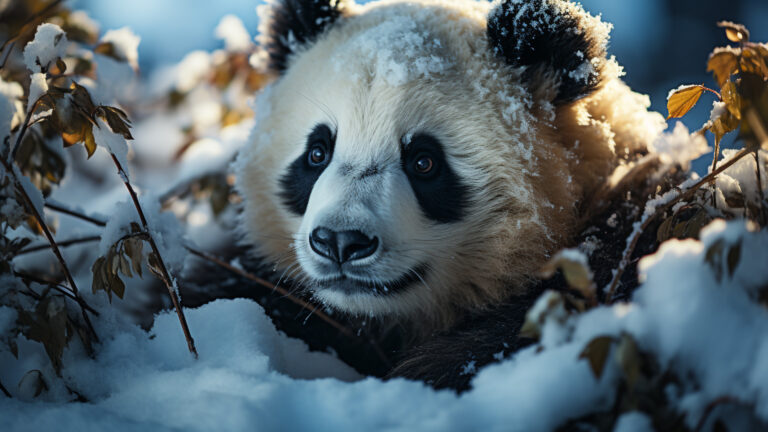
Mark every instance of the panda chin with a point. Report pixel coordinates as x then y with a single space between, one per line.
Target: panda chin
352 285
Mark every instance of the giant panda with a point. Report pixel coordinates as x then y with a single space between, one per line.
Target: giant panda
417 161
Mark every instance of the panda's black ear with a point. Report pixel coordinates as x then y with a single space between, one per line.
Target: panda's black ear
551 38
288 25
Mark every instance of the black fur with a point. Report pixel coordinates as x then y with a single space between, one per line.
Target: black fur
441 194
547 38
294 23
297 183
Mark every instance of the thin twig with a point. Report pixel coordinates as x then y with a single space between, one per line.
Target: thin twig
58 287
166 276
47 232
240 272
711 407
646 223
61 209
61 244
5 392
221 263
762 138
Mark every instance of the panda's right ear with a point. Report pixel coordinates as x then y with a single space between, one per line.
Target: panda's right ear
288 25
550 39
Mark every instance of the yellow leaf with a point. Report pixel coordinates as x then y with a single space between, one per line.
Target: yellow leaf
734 32
752 61
723 63
90 142
681 101
732 99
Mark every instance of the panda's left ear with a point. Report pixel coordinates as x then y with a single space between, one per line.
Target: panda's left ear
289 25
553 40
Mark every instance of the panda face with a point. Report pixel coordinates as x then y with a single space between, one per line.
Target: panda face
377 196
405 162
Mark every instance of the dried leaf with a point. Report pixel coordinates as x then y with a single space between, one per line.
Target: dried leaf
723 63
683 99
734 32
596 352
61 66
577 274
628 357
752 61
32 384
90 141
732 99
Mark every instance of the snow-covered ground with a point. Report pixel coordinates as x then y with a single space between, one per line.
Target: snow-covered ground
713 335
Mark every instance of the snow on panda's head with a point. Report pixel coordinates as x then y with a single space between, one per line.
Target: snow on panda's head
397 166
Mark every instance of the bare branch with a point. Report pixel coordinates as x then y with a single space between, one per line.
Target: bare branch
47 232
240 272
5 392
166 276
60 288
74 213
61 244
647 221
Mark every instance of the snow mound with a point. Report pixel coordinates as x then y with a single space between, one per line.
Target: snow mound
49 43
706 329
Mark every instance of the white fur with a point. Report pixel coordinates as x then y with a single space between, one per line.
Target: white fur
367 77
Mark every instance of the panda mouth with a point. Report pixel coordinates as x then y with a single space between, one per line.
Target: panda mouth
349 284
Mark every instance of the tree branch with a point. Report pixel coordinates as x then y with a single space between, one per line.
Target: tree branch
61 244
47 232
647 221
5 392
240 272
71 212
60 288
166 276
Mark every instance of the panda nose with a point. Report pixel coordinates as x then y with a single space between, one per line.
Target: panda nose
342 246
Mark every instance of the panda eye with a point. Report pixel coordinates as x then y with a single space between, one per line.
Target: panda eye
423 164
317 155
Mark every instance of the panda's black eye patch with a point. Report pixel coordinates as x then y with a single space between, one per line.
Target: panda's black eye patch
439 190
297 182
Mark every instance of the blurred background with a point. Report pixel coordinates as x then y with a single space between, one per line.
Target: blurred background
661 43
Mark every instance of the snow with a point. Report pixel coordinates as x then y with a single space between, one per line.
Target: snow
7 111
234 34
38 86
49 43
125 44
394 49
680 146
633 422
34 194
114 143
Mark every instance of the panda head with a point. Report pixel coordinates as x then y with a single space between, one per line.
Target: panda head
404 161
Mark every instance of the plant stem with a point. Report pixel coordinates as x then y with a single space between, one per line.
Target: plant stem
5 392
163 268
64 243
320 314
61 209
646 222
57 287
54 246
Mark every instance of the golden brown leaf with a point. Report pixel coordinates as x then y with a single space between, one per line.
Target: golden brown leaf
723 63
596 352
683 99
732 99
734 32
752 61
